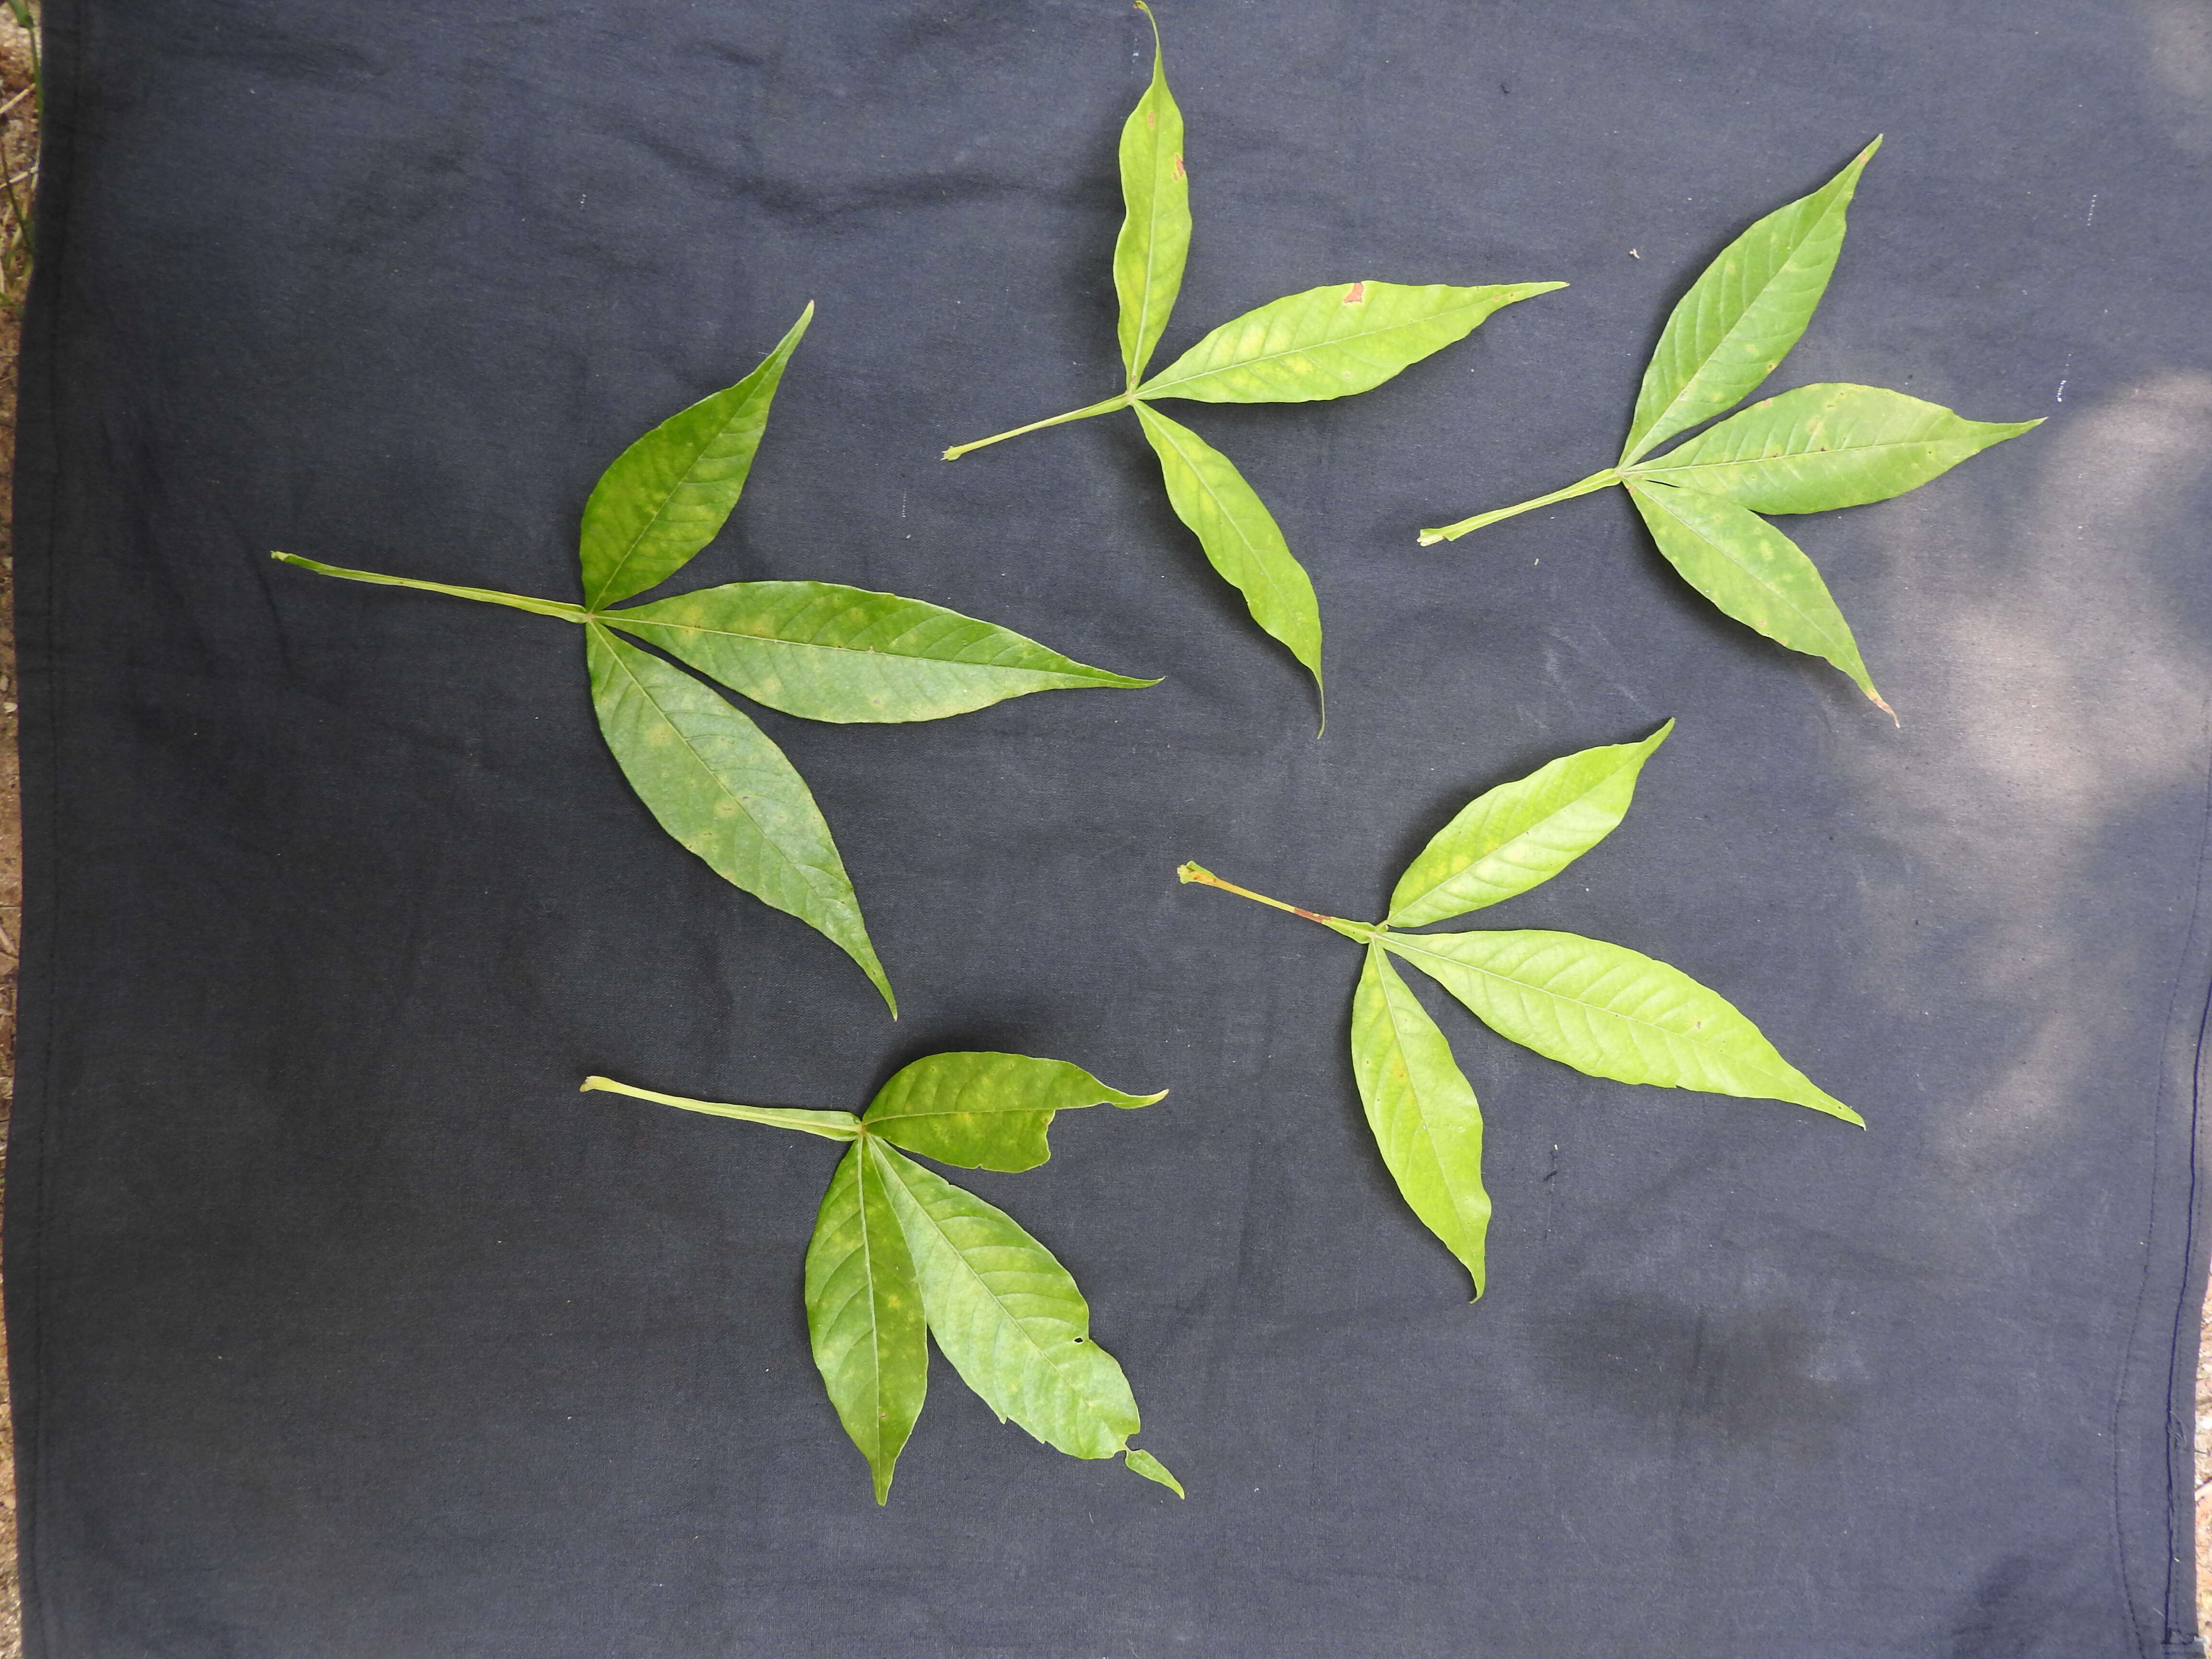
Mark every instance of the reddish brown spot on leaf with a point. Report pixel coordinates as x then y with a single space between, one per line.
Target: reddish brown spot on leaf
1151 119
1357 294
1177 164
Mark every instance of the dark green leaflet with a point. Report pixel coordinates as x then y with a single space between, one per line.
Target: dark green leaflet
1598 1007
819 650
1326 343
1808 451
898 1250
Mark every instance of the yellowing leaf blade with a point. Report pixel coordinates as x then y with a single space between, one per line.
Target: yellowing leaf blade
1742 316
1330 342
826 651
1240 535
1752 572
1008 1315
1521 834
1612 1013
981 1110
1155 238
864 1315
722 789
1422 1110
668 495
1826 446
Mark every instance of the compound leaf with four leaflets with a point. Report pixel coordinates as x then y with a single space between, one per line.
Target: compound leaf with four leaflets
1812 450
898 1250
819 650
1602 1008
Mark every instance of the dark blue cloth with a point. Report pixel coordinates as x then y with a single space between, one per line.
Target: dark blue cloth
344 1326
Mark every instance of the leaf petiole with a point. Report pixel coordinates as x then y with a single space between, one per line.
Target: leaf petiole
1363 932
1105 408
830 1125
574 613
1452 532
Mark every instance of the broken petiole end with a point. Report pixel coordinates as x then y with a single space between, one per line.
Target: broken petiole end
1106 408
1452 532
1200 876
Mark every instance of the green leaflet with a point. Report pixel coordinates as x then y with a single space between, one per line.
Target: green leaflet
1807 451
1422 1111
1521 834
1598 1007
1739 319
1327 342
864 1315
985 1111
1155 238
725 791
1240 537
825 652
1612 1013
1826 446
897 1250
1751 571
1008 1316
667 495
819 650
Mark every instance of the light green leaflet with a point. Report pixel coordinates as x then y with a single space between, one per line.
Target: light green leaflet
819 650
1326 343
1598 1007
1808 451
898 1250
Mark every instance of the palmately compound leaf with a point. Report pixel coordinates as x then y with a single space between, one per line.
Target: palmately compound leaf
1808 451
897 1250
1600 1008
824 652
979 1111
1327 342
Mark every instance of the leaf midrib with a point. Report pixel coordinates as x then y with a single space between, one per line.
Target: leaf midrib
1653 469
808 872
1812 622
1660 419
1268 574
1162 389
1400 942
1414 1091
1006 1314
614 619
630 552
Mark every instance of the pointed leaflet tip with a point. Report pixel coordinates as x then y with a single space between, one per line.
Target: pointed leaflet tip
1144 1463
